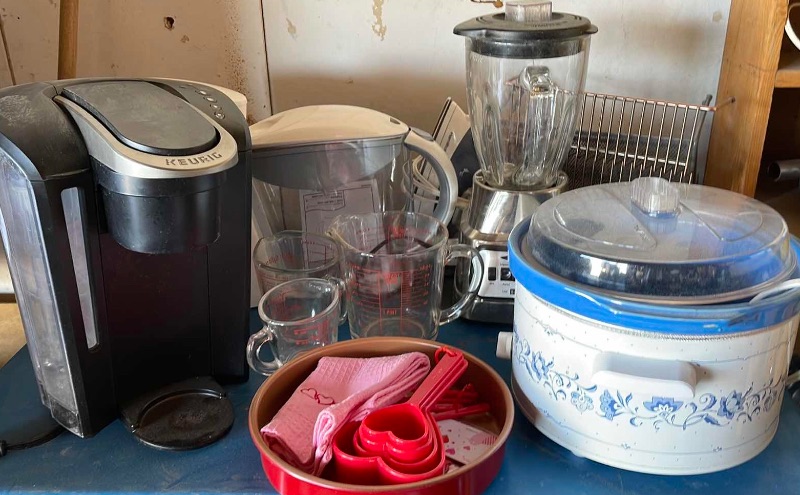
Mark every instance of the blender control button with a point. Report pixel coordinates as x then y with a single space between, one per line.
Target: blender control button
201 92
219 115
505 274
211 99
214 106
492 273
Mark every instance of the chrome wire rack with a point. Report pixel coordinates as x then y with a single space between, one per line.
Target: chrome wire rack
621 138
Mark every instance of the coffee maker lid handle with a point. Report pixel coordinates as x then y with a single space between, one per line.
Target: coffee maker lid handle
424 144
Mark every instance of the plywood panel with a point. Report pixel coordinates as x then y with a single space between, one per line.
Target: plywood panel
204 40
12 337
401 56
31 29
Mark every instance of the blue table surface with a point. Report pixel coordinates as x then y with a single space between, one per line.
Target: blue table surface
113 461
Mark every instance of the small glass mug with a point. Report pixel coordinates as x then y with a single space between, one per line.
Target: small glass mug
298 315
293 254
394 270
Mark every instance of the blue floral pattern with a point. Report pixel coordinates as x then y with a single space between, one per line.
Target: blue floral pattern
582 401
662 405
710 409
730 405
558 384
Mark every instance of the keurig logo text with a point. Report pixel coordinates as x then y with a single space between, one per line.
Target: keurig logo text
195 160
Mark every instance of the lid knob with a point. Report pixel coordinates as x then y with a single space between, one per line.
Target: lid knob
655 196
528 10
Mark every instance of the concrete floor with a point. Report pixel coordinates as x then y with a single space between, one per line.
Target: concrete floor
12 337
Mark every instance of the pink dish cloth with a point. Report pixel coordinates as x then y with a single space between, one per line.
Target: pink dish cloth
338 391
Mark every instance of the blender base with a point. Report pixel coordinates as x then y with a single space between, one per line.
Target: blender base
490 310
492 214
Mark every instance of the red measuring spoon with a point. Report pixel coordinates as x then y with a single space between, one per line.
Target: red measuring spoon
406 432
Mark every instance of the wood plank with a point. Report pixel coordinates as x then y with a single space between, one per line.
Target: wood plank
12 337
68 39
6 79
749 65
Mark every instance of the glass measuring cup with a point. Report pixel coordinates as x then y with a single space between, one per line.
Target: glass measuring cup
293 254
394 269
298 315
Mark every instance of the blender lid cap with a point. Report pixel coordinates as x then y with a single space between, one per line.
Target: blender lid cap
497 28
658 241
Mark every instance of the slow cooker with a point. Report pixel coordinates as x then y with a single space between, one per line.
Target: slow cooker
653 324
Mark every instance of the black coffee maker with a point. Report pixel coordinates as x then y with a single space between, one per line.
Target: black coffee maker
125 213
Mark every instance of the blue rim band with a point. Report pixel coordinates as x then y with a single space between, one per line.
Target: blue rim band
717 319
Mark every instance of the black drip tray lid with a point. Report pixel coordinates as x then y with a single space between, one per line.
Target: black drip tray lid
145 117
181 416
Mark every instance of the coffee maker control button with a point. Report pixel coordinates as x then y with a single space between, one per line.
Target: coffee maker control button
202 92
215 107
211 99
219 115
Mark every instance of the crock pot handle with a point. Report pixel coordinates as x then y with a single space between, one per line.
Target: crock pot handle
437 158
778 289
646 376
505 343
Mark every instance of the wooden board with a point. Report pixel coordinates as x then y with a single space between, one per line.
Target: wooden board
749 64
6 78
12 338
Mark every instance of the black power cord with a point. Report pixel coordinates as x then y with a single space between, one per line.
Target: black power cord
6 447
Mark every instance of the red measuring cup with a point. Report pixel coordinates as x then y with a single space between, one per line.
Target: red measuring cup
427 462
406 432
349 466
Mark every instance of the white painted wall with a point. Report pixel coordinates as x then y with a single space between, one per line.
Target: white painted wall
401 57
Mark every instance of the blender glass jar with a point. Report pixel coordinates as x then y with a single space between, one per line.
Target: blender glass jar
526 69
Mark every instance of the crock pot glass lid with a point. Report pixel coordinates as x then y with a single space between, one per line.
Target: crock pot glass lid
654 239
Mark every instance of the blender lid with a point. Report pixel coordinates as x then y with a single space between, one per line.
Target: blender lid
652 240
501 28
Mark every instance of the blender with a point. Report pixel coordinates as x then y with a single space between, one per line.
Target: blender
526 70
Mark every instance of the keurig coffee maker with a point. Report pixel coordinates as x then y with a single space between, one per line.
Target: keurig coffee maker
125 213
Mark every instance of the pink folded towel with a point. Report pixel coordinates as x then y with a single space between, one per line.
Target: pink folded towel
338 391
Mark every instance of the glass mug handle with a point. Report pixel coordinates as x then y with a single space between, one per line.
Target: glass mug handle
342 289
254 344
463 251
